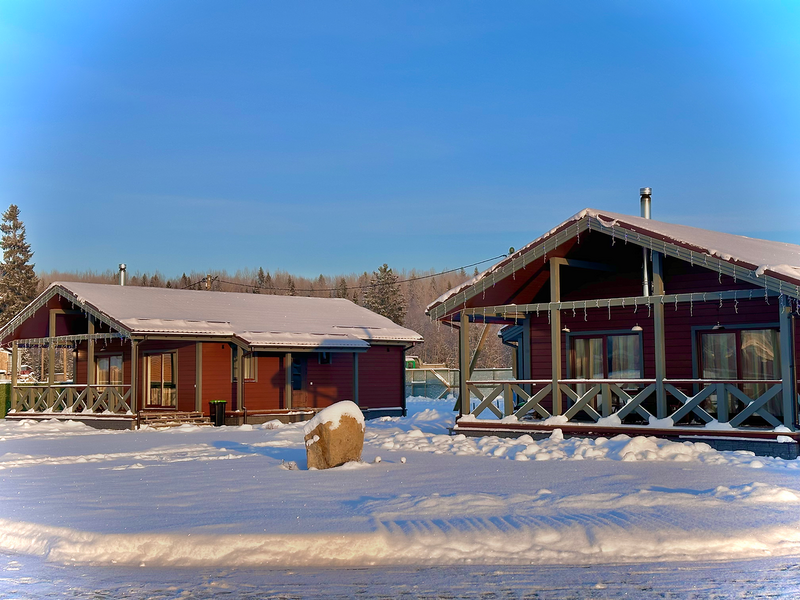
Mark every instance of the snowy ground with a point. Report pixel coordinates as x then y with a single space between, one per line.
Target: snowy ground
184 512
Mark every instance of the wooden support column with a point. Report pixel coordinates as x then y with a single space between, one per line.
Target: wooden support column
240 380
287 390
555 333
355 377
660 335
14 369
788 393
198 376
51 360
134 376
463 364
90 368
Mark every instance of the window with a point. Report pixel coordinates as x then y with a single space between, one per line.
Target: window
742 354
162 389
249 364
606 356
109 371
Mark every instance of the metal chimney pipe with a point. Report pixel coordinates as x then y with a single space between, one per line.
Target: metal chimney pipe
644 201
644 205
122 271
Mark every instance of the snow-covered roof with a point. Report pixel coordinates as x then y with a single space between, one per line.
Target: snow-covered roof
777 259
259 320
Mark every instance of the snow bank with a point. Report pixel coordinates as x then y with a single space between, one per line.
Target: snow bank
333 415
234 496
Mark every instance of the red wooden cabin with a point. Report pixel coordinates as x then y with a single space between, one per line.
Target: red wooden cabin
626 324
155 349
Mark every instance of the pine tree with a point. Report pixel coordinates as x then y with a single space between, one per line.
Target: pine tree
268 283
341 288
384 296
292 290
19 284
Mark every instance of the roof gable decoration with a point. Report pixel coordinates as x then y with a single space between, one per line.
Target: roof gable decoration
690 244
57 290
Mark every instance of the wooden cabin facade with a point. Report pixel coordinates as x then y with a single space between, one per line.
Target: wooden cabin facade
142 350
623 324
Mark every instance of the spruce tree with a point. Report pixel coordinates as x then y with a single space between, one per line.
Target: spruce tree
292 289
18 284
384 296
341 288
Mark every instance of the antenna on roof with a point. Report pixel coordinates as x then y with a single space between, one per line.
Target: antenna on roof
122 271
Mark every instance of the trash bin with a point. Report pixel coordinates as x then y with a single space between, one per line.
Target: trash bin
218 412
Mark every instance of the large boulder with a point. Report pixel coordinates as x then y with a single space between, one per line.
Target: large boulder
335 436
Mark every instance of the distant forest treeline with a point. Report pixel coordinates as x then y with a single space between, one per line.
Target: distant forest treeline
419 289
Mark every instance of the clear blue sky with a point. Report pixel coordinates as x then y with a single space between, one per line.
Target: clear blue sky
331 137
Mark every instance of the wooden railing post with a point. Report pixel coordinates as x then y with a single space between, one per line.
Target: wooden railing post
463 364
14 368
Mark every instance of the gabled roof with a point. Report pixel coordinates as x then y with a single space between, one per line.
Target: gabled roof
262 321
774 265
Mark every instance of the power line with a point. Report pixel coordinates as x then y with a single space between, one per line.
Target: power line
355 287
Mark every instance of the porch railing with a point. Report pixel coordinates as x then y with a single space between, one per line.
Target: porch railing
71 398
598 399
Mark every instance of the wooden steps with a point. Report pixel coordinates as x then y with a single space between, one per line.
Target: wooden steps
163 418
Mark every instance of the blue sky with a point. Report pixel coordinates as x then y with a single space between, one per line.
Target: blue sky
331 137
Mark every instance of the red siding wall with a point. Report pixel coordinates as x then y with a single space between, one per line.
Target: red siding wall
267 392
217 384
381 380
329 383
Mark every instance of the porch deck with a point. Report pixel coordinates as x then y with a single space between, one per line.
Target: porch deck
716 412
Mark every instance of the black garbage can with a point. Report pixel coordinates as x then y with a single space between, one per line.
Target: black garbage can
218 412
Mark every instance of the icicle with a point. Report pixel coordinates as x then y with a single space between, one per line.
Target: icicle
585 314
766 293
623 302
537 311
736 305
609 310
750 297
691 258
720 300
648 308
635 305
548 315
573 311
676 302
626 238
691 305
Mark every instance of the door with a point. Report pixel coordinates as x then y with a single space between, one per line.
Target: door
299 379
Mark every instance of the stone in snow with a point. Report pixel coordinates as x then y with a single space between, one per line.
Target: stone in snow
335 436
